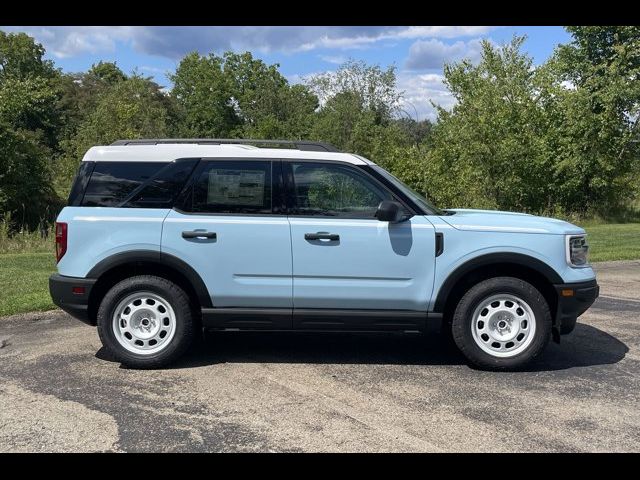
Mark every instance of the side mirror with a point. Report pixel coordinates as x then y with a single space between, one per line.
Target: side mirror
389 211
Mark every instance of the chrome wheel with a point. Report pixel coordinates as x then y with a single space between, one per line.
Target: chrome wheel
503 325
144 323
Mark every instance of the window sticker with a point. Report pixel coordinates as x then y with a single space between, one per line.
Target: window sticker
236 187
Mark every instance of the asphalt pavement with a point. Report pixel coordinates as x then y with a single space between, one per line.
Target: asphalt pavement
276 392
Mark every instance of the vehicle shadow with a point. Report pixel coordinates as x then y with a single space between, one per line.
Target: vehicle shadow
586 346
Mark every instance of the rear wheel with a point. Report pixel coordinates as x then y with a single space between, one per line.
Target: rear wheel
146 321
502 323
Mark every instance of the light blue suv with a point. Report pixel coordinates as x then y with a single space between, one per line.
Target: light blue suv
162 238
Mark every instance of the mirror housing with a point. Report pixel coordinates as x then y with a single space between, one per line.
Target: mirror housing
389 211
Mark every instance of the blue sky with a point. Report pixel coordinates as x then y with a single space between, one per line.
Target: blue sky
417 52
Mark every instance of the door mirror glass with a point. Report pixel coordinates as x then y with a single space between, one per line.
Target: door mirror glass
389 211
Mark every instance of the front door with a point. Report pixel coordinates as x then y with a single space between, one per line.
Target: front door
346 259
230 231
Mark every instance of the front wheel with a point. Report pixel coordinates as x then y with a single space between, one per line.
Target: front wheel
502 323
146 321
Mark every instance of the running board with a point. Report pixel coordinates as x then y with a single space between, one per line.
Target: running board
316 319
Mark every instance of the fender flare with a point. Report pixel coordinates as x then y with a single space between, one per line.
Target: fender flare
487 259
158 258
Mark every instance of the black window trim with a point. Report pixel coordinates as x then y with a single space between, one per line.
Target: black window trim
290 188
277 189
415 207
82 180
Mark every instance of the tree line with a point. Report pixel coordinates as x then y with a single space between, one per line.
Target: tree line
559 138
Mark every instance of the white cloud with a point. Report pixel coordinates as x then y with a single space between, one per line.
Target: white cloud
420 91
174 42
443 32
433 54
63 42
335 59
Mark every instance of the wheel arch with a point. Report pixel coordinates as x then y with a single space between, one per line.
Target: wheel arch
518 265
114 268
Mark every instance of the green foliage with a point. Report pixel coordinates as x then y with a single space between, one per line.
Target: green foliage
29 126
596 128
559 138
202 93
238 96
131 108
359 103
22 58
489 150
556 139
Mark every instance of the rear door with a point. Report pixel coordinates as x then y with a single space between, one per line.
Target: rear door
231 229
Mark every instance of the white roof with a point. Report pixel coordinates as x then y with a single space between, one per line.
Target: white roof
169 152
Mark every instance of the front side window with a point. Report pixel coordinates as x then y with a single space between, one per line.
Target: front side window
240 187
324 189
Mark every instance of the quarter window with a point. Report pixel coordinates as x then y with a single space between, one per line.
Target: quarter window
334 190
233 187
112 182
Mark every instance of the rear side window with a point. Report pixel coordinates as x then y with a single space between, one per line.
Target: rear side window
240 187
162 190
112 182
136 184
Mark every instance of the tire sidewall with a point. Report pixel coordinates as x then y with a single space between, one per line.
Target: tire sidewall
165 289
463 319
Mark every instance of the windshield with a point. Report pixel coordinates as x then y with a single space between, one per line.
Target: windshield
418 198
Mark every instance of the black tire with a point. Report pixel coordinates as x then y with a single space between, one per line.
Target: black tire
462 322
185 328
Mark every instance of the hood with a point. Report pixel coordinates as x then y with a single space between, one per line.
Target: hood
511 222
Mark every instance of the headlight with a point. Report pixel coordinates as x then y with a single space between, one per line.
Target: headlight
577 250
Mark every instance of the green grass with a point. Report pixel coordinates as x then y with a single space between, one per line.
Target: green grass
24 282
24 276
615 241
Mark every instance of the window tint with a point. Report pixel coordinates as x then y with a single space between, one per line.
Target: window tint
335 190
161 190
233 187
112 182
80 183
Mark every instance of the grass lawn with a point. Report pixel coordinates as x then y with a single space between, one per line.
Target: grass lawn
24 282
614 241
24 277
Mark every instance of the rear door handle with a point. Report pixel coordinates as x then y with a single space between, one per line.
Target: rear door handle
199 234
334 237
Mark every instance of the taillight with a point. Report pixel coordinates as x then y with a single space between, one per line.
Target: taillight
61 240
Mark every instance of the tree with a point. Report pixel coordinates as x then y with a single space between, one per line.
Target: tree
203 95
266 104
22 58
131 108
489 150
29 126
597 99
374 87
358 105
107 72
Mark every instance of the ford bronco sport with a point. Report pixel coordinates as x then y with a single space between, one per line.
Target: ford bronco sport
162 238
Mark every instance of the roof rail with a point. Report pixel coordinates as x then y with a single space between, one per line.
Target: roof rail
297 144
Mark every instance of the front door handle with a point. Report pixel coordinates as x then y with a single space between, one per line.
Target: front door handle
334 237
199 234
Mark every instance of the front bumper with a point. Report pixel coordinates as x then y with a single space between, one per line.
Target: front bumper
75 303
573 300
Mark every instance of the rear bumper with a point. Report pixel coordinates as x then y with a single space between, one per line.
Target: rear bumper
75 304
573 300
